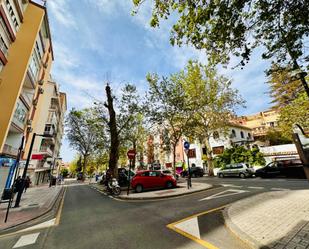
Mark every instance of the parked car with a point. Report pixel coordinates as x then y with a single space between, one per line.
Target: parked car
284 168
152 179
169 172
237 169
194 171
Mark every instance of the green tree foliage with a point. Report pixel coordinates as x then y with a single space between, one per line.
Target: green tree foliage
275 137
166 108
212 101
81 133
284 88
295 112
240 154
64 172
236 28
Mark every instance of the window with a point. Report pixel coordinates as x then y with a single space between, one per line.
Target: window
242 134
154 173
12 14
216 135
249 135
233 133
20 113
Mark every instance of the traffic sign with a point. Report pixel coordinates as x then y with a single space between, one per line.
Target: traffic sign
186 145
131 154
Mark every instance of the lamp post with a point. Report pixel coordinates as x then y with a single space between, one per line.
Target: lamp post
52 169
20 191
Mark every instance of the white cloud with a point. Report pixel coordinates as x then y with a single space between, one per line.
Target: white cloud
61 11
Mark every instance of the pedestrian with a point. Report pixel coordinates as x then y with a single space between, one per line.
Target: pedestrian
27 183
18 184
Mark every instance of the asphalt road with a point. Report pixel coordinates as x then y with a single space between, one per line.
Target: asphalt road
90 219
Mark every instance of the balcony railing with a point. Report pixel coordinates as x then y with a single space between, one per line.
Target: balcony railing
10 150
46 149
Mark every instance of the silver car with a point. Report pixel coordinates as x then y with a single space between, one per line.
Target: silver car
237 169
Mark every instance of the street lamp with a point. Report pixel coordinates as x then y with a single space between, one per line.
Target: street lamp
20 191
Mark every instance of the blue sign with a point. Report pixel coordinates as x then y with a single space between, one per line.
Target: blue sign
186 145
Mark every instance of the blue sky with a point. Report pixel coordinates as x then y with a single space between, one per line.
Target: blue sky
99 40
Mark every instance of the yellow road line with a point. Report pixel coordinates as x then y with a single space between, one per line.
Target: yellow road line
200 241
58 216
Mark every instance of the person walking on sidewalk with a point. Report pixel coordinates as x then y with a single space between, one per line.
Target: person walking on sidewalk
27 183
18 184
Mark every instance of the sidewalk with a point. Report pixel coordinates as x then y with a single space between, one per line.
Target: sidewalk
34 203
158 194
276 220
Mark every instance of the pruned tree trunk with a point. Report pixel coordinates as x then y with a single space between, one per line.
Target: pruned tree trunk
134 159
209 158
174 159
114 146
85 165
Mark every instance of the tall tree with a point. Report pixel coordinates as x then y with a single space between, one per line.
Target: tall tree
166 108
295 112
284 88
238 27
117 116
212 100
81 133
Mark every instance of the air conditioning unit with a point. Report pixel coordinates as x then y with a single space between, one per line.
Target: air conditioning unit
29 129
24 1
41 82
45 65
29 122
41 90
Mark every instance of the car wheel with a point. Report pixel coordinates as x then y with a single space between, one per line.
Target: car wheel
169 185
220 175
139 188
242 175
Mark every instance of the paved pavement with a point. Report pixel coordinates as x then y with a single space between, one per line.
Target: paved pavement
157 194
277 219
90 219
35 202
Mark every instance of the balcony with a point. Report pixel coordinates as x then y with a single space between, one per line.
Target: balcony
19 118
46 150
9 150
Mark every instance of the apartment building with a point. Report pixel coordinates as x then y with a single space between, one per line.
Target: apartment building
26 56
235 134
261 122
48 121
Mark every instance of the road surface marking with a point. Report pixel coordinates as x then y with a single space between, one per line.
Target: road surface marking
45 224
177 227
256 187
224 193
231 185
58 216
25 240
279 189
190 226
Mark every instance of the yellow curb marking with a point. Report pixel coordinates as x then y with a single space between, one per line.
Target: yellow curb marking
36 229
59 212
204 243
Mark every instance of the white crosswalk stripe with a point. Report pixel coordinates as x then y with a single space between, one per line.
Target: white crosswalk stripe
256 187
25 240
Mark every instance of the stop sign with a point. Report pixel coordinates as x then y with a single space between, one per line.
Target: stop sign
131 154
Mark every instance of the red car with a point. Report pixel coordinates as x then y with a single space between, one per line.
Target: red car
152 179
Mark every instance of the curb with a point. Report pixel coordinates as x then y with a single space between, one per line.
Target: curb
24 224
126 198
237 232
